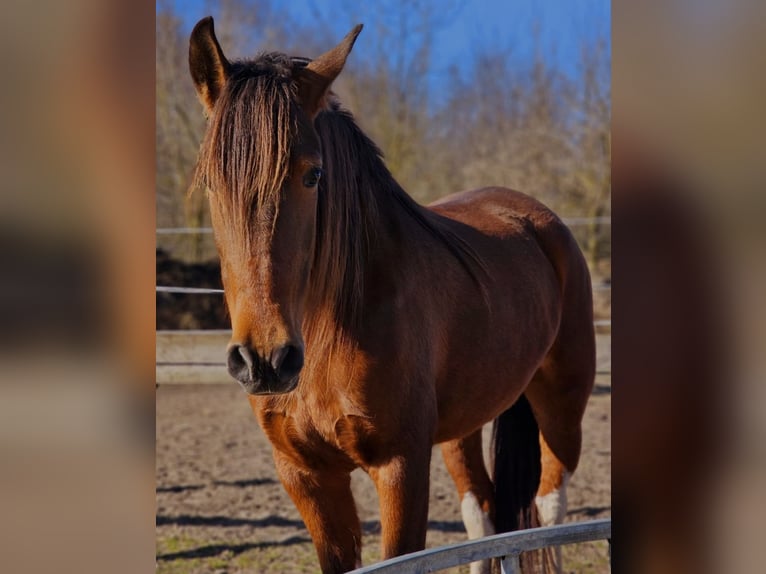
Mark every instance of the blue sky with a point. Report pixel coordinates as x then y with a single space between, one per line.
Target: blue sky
478 24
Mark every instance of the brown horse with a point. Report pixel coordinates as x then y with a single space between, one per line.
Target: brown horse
367 328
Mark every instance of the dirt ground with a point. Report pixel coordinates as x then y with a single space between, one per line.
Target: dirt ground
221 509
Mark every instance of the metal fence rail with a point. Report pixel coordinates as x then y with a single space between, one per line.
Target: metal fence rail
208 291
197 356
506 546
192 290
570 221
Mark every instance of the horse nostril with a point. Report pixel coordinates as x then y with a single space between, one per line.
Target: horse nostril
240 362
287 361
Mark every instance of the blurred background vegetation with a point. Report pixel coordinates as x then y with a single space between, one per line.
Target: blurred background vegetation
495 113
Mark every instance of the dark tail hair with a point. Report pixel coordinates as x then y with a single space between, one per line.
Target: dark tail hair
516 475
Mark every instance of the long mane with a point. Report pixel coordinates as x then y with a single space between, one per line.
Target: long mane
357 187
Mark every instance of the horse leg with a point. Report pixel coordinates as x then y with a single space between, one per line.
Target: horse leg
551 499
327 507
558 398
465 463
402 485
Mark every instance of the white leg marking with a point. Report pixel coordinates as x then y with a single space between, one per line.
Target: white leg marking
478 525
552 508
477 522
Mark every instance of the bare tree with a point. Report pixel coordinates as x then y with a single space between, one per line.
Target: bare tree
179 128
244 27
534 129
388 82
493 121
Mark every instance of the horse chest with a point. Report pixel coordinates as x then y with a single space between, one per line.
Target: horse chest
318 442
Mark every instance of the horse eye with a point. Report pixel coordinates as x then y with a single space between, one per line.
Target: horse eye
312 177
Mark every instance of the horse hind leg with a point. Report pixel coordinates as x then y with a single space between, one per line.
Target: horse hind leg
551 500
465 463
558 394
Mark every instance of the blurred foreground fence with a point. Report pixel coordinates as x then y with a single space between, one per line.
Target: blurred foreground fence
506 546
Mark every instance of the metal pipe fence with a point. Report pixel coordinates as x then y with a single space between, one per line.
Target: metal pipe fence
507 546
571 221
208 291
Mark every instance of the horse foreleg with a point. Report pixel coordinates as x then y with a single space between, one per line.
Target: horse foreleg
465 463
327 507
402 485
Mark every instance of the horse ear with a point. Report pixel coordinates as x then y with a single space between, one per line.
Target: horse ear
315 79
208 66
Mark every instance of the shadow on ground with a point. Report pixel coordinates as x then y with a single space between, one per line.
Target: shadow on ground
245 483
368 527
589 511
213 550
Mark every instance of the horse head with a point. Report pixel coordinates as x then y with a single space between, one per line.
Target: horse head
261 161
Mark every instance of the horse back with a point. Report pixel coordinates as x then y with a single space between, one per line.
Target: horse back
508 216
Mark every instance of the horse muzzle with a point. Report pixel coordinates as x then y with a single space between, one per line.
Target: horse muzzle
275 374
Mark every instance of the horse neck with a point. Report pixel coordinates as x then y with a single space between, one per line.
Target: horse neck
361 222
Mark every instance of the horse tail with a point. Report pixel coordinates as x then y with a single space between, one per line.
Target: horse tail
516 474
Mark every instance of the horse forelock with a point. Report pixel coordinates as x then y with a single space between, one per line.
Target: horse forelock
245 155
